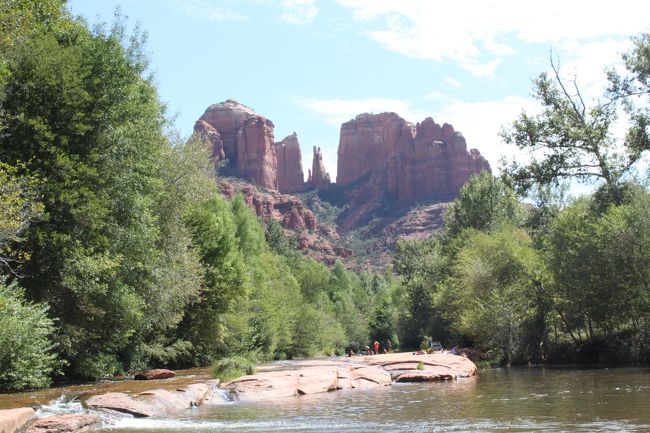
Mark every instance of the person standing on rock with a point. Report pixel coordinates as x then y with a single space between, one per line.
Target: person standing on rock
389 345
376 344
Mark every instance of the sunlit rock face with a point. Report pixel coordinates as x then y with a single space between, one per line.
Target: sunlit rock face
411 162
245 138
319 178
291 178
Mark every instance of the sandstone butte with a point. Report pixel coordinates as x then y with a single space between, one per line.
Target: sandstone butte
309 377
404 161
409 162
246 140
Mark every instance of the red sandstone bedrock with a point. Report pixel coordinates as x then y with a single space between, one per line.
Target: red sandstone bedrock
310 377
351 373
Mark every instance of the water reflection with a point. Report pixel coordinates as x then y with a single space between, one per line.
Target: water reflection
500 400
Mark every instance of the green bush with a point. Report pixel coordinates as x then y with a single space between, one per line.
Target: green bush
230 368
26 358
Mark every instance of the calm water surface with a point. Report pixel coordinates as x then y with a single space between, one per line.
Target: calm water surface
500 400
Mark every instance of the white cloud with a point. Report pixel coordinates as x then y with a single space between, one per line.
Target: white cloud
586 62
298 11
478 34
205 10
452 82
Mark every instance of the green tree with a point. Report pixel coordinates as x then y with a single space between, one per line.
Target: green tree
572 139
225 280
599 263
427 300
19 207
81 115
27 358
483 203
499 277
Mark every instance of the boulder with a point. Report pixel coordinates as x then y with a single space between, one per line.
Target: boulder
159 373
69 423
157 402
13 420
307 380
121 402
441 363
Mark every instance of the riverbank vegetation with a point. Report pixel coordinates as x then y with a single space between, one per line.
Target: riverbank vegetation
117 253
549 278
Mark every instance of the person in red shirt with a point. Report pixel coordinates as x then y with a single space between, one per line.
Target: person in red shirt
376 347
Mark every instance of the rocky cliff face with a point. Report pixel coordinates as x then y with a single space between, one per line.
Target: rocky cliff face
410 162
243 137
319 178
315 240
385 164
290 175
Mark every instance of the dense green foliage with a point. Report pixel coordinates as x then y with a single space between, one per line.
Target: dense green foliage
577 294
556 280
26 356
226 369
118 252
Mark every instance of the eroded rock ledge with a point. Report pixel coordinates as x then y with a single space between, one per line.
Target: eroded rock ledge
304 378
314 377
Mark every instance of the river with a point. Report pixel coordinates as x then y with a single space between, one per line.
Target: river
499 400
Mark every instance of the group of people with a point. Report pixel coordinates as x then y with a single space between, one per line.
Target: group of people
374 350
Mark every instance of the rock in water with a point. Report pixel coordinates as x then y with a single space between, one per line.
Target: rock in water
158 373
69 423
13 420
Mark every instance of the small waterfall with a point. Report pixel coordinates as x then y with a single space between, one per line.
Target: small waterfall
62 405
224 395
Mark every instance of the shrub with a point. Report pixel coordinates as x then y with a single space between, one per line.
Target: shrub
230 368
26 358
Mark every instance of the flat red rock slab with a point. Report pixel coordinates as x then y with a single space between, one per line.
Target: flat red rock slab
424 376
123 403
159 373
12 420
65 424
402 361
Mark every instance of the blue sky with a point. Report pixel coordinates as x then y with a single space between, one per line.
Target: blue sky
309 65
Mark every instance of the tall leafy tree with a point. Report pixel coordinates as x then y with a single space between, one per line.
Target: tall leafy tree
483 203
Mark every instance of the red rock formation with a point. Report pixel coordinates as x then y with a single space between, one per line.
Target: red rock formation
315 240
212 135
158 373
287 209
410 163
244 138
67 423
290 175
319 178
13 420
